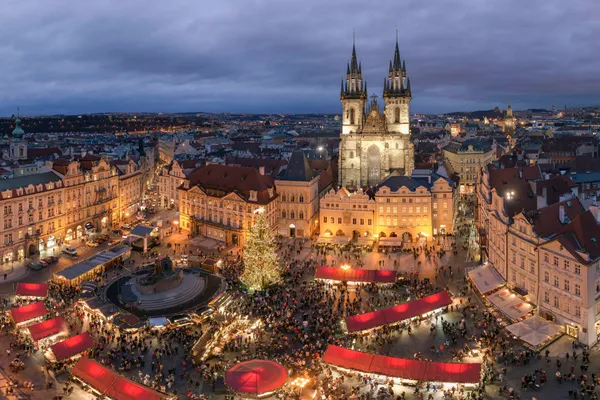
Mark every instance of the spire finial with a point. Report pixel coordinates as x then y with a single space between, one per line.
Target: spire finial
18 112
353 37
396 34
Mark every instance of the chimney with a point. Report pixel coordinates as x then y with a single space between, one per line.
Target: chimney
561 214
261 169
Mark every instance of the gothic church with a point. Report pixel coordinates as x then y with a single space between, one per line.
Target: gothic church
375 142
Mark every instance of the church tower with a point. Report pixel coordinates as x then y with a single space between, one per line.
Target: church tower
18 146
353 96
509 122
397 95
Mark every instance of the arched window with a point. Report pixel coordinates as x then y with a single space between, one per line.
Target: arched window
301 199
292 214
283 197
301 215
292 199
397 115
283 214
352 116
351 154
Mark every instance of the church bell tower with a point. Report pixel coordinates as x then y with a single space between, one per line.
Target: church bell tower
353 95
397 95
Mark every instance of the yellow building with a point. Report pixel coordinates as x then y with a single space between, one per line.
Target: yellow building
466 158
218 202
402 210
131 188
298 187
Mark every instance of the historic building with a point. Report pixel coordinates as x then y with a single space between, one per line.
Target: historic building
375 142
218 201
298 187
171 177
399 211
466 158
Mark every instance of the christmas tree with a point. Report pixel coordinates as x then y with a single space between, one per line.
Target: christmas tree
261 262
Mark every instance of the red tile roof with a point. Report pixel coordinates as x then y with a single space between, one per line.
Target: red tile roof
582 235
546 222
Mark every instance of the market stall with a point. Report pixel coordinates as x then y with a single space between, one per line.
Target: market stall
356 275
70 348
29 314
256 377
536 332
510 304
415 370
398 313
49 331
88 269
105 382
32 290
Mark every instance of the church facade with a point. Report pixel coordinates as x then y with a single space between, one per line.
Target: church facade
375 142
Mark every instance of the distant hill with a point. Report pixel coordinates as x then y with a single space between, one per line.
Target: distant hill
477 114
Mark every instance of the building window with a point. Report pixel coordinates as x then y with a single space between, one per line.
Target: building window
577 269
301 199
514 276
283 214
556 261
546 258
324 220
577 289
292 214
546 297
567 266
369 222
555 281
532 267
577 311
362 221
556 303
353 221
546 277
339 220
301 215
567 285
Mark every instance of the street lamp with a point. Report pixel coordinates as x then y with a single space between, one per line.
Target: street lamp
345 267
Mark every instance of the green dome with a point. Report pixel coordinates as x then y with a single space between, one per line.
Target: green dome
18 132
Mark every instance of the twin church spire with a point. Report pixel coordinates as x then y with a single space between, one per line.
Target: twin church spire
396 84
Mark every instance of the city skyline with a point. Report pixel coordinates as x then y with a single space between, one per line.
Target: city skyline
280 57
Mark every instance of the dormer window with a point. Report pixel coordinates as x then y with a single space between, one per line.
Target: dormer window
253 195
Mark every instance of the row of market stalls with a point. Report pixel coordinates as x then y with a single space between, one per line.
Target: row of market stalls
356 275
53 333
88 269
398 313
407 370
105 382
508 305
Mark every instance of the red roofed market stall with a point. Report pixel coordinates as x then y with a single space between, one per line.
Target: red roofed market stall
416 370
72 347
47 328
398 313
109 383
256 377
356 275
32 289
23 315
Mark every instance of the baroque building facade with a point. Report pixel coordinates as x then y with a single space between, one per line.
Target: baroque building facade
375 142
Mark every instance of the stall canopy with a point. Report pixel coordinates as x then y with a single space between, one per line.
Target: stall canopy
356 275
72 346
510 304
159 321
256 376
536 331
28 312
47 328
76 271
110 383
486 279
32 289
401 367
397 313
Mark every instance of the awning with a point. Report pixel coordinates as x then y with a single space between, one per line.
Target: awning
159 321
365 241
390 241
110 383
47 328
535 330
356 275
28 312
398 313
32 289
72 346
256 376
486 278
510 304
401 367
333 239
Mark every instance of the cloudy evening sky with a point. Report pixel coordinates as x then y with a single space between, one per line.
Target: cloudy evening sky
74 56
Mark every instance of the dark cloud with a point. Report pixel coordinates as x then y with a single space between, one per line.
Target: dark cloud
67 56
